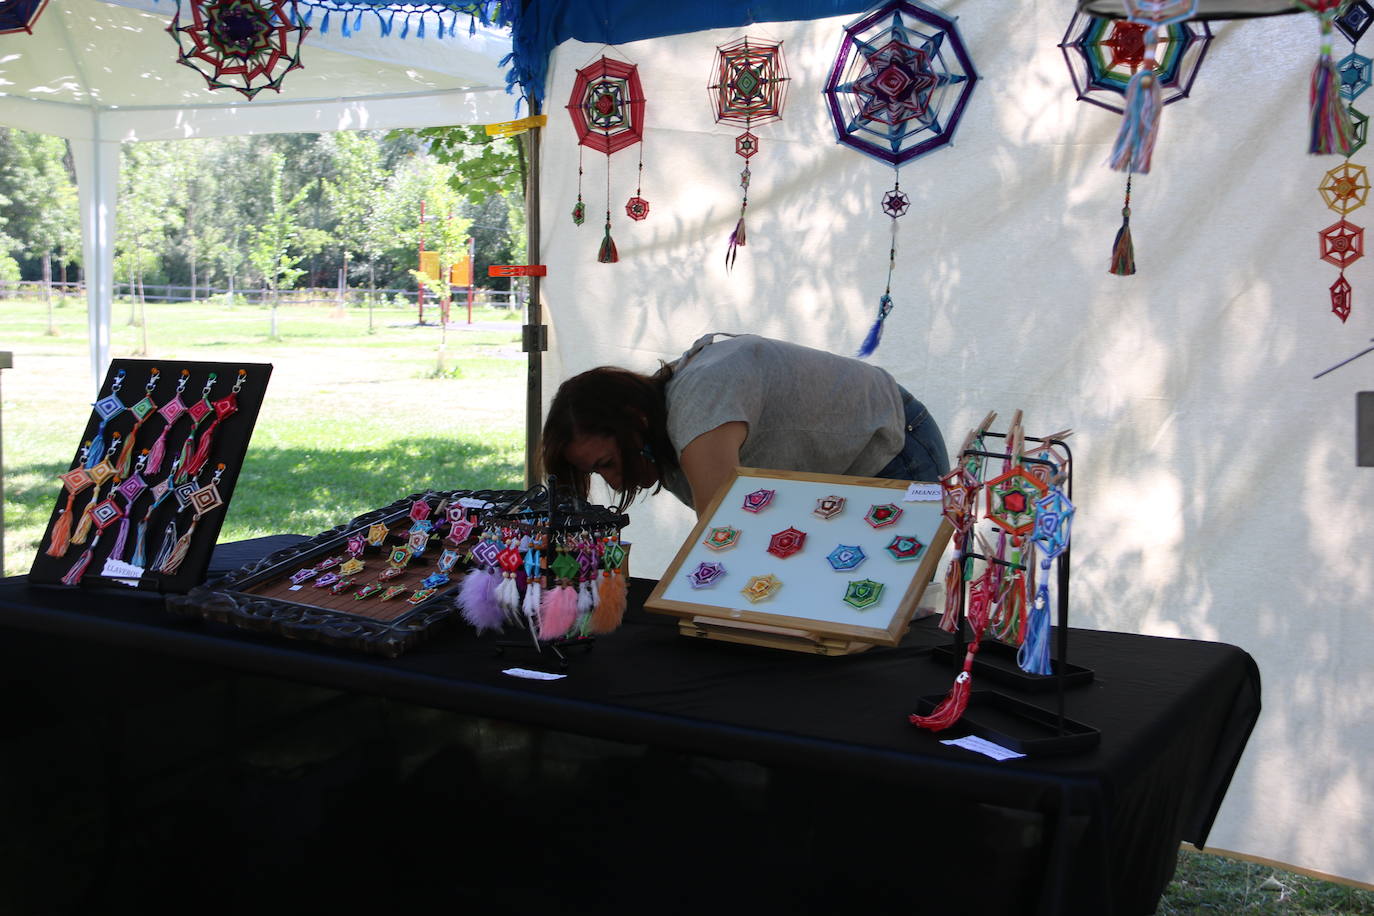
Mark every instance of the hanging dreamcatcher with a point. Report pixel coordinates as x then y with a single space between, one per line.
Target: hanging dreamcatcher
897 90
607 109
248 45
20 15
748 88
1104 55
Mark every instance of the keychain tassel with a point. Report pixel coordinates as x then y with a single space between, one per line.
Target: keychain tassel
83 527
169 540
78 569
178 552
61 536
477 601
140 534
954 583
120 539
611 607
1034 656
737 241
558 613
157 452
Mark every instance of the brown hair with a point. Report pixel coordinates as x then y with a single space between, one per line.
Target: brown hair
608 401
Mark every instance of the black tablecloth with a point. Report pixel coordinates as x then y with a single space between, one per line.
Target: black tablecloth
1094 832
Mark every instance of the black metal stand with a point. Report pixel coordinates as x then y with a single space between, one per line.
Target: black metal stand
1008 721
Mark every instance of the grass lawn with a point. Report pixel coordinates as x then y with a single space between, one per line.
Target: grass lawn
352 419
355 419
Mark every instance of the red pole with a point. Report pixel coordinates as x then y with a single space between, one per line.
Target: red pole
420 296
472 272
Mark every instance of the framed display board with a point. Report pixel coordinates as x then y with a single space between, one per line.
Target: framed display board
818 563
285 592
141 502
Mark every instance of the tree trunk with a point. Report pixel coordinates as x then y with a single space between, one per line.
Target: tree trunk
47 291
371 291
231 287
273 293
193 277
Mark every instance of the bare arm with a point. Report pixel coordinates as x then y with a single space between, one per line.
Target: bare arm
710 459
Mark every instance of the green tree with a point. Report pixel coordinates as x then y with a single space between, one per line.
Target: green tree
146 217
278 232
445 232
43 217
352 196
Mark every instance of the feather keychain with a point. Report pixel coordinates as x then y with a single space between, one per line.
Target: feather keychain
477 600
559 611
610 609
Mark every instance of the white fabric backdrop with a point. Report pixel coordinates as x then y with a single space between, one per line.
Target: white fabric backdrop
1216 481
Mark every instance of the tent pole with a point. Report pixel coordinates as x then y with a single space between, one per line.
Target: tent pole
97 184
535 338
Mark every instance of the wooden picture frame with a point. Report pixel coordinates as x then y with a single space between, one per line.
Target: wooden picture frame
808 613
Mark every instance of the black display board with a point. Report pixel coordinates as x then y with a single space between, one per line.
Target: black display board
128 513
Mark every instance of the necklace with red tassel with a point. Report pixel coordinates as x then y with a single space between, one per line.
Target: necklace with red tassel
224 408
199 412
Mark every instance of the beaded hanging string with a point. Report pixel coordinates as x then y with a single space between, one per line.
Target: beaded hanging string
160 492
895 205
141 410
198 412
107 408
73 482
579 210
534 574
608 254
170 413
205 499
224 408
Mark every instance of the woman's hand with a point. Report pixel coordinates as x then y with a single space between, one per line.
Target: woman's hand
710 459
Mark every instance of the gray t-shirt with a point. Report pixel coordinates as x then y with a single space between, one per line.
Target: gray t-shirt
807 410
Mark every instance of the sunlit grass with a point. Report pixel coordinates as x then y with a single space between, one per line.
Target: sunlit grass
353 419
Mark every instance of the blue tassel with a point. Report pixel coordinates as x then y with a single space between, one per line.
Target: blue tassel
875 333
97 448
1135 143
324 24
386 24
1034 655
344 30
309 16
358 23
405 28
420 32
141 533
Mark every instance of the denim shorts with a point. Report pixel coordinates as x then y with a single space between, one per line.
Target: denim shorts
923 457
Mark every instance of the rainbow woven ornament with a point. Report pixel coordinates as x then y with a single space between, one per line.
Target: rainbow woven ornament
897 90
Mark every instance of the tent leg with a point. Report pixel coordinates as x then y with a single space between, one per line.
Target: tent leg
535 336
97 179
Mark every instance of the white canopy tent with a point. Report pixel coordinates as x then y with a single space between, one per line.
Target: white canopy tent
104 72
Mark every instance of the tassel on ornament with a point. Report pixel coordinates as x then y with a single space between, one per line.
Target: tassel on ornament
737 241
178 553
610 609
1123 250
532 604
951 708
1034 655
118 549
61 533
78 569
477 600
875 333
608 253
1331 130
83 527
1135 143
169 540
954 584
157 452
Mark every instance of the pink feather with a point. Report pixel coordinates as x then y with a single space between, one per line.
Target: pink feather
477 600
559 612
